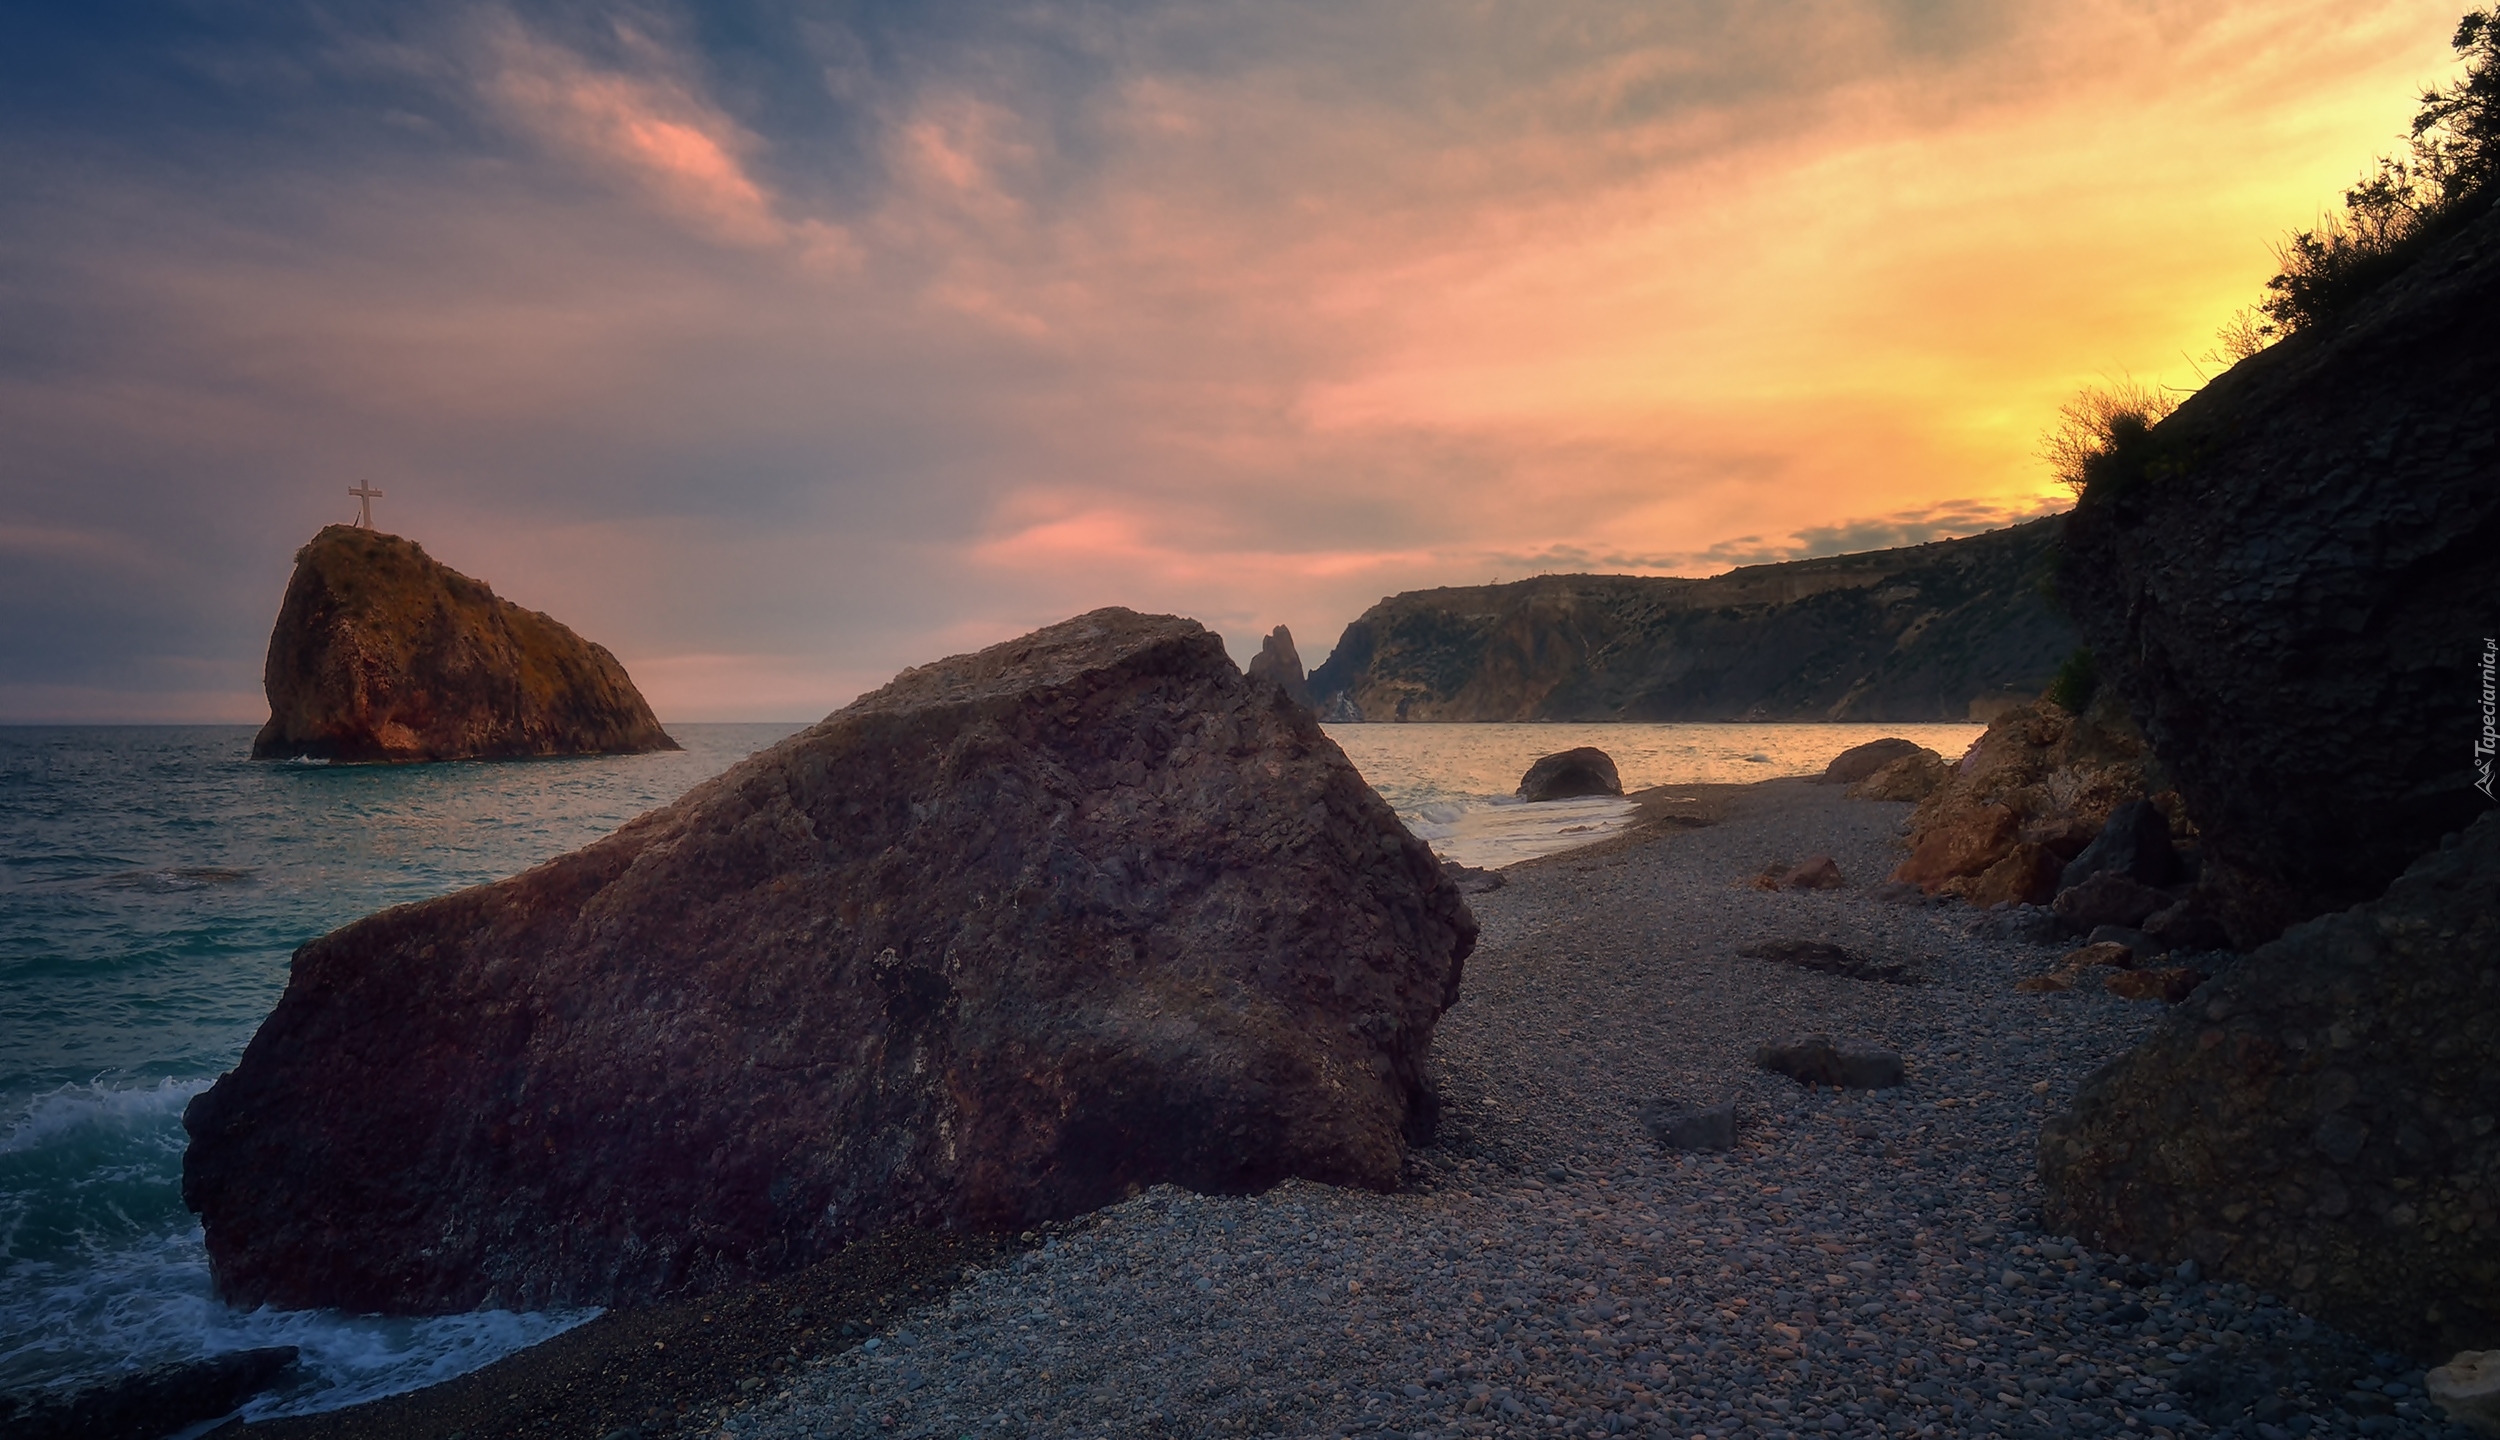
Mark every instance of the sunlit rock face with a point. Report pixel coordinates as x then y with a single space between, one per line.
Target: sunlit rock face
381 653
1017 934
2293 584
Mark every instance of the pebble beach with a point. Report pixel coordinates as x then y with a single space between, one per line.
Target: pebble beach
1859 1263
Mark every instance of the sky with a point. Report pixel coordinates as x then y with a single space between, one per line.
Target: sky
780 346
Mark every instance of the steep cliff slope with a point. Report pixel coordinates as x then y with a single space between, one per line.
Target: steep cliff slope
383 653
2292 582
1920 633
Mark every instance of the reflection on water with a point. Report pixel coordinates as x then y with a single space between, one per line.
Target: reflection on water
1454 785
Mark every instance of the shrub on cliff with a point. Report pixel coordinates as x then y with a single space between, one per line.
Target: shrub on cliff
2103 439
2405 205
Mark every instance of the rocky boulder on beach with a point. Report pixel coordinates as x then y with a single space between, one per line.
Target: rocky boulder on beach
2318 1121
2290 581
2032 794
1860 761
1570 774
1011 938
383 653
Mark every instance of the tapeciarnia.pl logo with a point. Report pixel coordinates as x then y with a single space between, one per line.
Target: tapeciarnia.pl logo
2489 740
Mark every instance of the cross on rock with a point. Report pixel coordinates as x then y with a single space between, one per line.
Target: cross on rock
365 496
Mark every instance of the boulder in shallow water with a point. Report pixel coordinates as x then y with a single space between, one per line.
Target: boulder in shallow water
1571 774
1004 941
383 653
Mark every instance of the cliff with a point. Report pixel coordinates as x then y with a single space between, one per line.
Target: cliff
1945 631
1007 940
382 653
2292 584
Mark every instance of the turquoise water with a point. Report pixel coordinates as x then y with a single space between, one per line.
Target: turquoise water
153 881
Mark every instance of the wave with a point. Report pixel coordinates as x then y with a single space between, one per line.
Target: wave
71 1109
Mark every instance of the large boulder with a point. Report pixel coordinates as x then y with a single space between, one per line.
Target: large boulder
2319 1121
1913 777
1569 774
1859 761
2039 776
1014 936
2291 583
1279 662
383 653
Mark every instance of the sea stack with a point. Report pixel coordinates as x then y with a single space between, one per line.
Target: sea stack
1002 942
382 653
1277 660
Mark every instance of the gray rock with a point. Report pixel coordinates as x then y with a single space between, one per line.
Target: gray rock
152 1403
1828 959
1677 1125
2318 1120
2110 898
1814 1060
2135 843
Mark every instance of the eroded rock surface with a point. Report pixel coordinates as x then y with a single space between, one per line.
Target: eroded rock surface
2031 794
1278 661
1005 940
1568 774
2293 587
2319 1121
383 653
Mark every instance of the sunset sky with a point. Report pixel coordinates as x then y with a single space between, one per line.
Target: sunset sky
780 346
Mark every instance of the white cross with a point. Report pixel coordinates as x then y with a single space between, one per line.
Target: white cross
365 496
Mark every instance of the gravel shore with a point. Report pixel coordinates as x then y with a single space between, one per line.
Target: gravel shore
1860 1263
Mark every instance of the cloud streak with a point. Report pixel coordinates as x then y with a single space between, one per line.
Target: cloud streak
779 349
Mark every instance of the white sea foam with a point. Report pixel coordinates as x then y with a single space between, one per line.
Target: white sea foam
54 1116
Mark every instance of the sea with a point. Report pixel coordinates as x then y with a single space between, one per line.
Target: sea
154 881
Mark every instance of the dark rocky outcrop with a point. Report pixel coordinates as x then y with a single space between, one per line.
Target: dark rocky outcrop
2291 581
2134 842
1570 774
2323 1120
1003 941
150 1404
1279 662
1921 633
1860 761
382 653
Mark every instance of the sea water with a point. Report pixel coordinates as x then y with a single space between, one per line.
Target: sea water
154 881
1456 785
